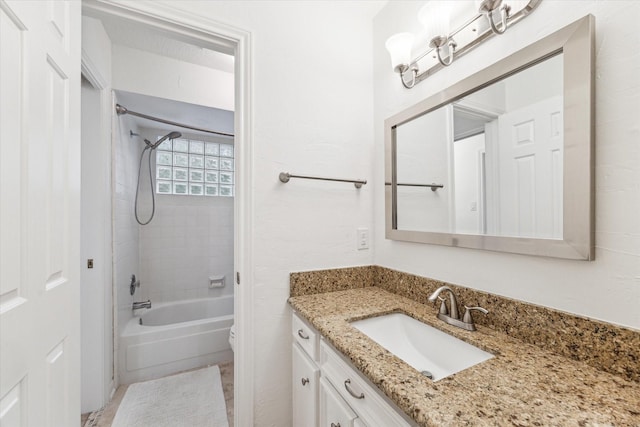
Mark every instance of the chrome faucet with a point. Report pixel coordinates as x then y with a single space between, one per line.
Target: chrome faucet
142 304
453 302
451 315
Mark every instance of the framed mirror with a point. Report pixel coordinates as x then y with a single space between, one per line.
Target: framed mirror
502 160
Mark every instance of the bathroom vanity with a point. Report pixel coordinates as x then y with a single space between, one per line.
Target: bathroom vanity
522 384
329 391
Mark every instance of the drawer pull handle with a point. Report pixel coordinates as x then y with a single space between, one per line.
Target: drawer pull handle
305 381
351 392
302 335
335 425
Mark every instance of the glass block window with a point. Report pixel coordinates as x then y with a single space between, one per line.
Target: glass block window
195 168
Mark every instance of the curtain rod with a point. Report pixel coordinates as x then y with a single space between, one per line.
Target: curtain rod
122 110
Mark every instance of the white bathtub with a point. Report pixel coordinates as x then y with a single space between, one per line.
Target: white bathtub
175 336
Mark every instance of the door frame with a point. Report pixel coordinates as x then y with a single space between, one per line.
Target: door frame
231 40
105 311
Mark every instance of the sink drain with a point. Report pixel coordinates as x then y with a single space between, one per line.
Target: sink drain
427 374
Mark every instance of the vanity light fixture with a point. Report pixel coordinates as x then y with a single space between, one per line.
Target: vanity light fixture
435 18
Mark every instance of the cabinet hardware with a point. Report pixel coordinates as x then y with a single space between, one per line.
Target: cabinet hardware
302 335
305 381
335 425
351 392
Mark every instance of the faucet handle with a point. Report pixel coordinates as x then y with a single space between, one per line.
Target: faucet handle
134 284
467 313
443 306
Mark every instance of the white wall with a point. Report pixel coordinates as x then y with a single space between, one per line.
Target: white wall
312 103
535 84
467 155
155 75
189 239
96 292
490 99
419 154
607 288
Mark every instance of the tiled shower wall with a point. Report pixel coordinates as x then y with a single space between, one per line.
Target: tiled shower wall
189 239
125 229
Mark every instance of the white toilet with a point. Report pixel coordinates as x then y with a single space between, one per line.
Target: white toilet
232 336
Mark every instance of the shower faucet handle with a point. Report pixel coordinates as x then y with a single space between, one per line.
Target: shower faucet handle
134 284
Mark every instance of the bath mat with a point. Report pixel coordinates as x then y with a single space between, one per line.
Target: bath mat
191 399
93 418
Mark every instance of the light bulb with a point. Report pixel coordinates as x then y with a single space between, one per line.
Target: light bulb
435 18
516 6
399 47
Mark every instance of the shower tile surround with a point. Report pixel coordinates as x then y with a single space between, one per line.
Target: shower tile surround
531 382
189 239
126 153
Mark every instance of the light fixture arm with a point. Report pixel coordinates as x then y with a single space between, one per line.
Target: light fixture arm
504 16
451 45
413 71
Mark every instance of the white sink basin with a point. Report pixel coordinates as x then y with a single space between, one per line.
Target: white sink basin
427 349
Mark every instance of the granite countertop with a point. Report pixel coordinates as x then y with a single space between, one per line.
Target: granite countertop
522 385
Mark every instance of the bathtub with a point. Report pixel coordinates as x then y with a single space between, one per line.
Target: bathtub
172 337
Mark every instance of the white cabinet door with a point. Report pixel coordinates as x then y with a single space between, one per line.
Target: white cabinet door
305 389
334 411
39 213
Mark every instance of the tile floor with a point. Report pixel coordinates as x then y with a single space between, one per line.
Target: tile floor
109 412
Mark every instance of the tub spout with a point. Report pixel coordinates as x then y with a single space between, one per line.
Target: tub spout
142 304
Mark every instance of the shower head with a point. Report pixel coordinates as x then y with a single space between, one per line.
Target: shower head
171 135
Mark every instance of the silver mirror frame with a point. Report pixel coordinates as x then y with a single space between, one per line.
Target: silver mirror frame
577 43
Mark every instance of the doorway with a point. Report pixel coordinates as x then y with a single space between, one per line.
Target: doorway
209 35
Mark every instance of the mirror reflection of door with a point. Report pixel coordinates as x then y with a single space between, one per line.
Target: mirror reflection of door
469 164
522 150
530 164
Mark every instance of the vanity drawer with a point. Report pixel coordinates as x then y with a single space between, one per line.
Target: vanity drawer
306 336
373 409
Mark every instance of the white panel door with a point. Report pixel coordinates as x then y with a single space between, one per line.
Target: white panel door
39 213
530 170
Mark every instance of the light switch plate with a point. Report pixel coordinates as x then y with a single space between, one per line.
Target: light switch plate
363 239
